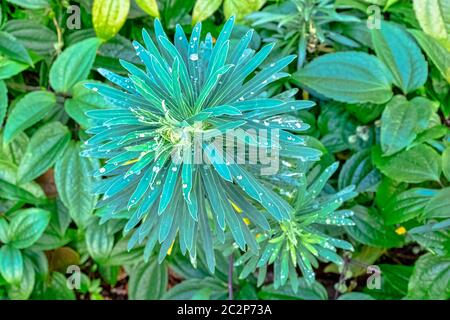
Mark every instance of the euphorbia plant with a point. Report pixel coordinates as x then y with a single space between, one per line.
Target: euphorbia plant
149 141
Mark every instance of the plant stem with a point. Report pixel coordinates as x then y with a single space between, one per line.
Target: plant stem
24 87
59 34
230 278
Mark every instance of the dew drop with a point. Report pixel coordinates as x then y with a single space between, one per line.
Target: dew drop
193 57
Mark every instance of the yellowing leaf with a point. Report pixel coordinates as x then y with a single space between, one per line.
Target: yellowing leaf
149 6
433 17
108 17
203 9
437 51
446 163
241 8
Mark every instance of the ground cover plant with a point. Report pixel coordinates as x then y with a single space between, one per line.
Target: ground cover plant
119 178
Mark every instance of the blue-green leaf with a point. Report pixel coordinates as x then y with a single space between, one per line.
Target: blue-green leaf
73 65
27 226
399 51
11 264
353 77
45 146
32 108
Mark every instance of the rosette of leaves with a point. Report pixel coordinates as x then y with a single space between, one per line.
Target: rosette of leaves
300 243
146 138
301 26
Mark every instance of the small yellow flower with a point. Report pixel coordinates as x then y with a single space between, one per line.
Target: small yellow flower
400 231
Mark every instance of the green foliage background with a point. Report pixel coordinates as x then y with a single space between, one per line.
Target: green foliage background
383 112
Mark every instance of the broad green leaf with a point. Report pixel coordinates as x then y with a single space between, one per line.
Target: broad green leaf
29 192
430 135
56 288
15 193
75 183
407 205
204 9
52 239
371 230
387 189
439 205
419 164
99 242
425 109
148 281
108 17
31 4
32 108
120 255
11 264
9 68
354 296
436 52
45 146
149 6
398 125
394 282
110 274
398 50
27 226
446 163
82 101
188 289
365 112
390 3
430 278
433 17
23 290
241 8
4 237
40 263
3 101
33 35
73 65
15 150
305 291
360 172
352 77
13 49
